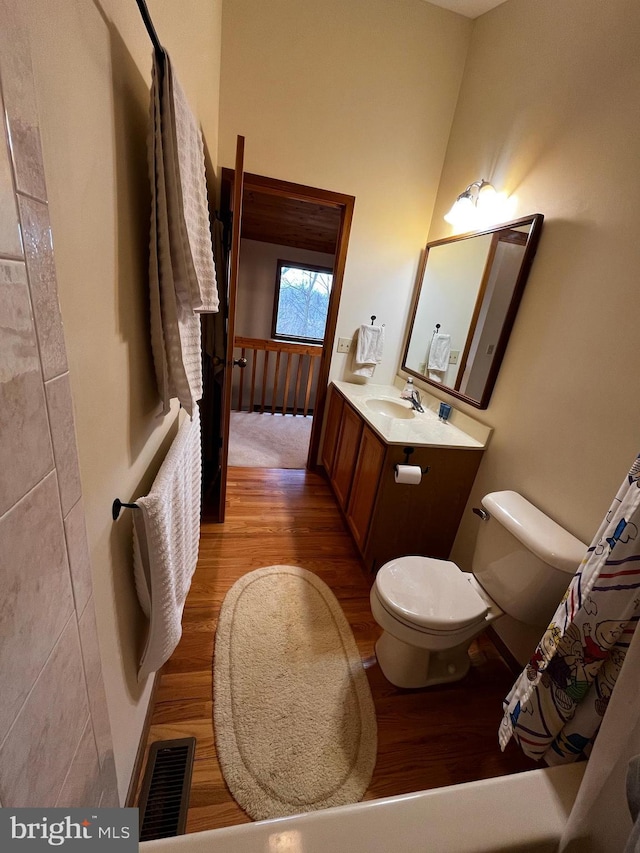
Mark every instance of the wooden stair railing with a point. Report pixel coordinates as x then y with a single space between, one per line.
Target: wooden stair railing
302 374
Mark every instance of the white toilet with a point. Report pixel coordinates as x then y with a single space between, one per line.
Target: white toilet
430 611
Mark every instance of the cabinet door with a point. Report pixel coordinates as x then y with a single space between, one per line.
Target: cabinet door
331 431
421 519
365 486
346 454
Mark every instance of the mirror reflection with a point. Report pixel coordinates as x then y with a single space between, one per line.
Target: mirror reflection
469 291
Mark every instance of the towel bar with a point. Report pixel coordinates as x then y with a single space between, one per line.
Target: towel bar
117 505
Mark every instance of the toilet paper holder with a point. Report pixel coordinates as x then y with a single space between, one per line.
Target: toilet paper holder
407 454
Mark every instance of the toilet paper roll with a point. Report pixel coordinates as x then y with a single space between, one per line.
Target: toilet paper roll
411 474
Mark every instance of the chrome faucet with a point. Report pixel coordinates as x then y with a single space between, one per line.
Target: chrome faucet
416 402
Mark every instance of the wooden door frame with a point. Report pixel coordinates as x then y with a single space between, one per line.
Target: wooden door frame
233 273
345 203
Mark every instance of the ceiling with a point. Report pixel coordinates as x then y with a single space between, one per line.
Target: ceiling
289 222
469 8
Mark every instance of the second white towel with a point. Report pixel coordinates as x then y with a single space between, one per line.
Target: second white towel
439 353
368 349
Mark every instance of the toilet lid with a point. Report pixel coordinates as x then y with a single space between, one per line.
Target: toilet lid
431 593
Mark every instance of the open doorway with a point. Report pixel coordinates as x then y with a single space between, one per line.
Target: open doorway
292 251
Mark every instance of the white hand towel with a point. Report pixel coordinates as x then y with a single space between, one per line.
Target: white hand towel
368 349
166 539
439 352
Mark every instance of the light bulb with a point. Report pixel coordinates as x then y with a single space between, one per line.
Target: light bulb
463 211
487 197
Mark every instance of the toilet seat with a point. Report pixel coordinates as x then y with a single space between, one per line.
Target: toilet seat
431 595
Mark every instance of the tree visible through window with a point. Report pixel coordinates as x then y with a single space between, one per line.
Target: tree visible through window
301 301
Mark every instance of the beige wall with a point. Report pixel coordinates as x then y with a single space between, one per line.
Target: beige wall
548 111
357 98
92 72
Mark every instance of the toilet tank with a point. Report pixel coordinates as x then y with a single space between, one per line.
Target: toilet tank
523 559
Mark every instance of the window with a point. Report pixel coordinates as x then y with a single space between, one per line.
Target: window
301 301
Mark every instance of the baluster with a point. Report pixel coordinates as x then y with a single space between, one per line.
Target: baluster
265 370
297 391
254 364
286 384
243 353
274 393
311 365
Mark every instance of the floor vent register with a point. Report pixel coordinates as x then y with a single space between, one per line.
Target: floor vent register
164 800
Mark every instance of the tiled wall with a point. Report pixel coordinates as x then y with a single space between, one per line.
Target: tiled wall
55 739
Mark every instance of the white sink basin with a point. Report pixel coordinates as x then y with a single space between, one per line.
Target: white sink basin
389 407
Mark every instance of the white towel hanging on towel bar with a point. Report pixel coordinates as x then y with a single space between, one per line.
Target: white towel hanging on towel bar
368 349
439 353
166 536
182 276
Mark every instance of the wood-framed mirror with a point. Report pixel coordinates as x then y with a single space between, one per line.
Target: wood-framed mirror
468 293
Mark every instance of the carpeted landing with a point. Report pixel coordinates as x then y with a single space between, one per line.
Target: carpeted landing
269 441
294 719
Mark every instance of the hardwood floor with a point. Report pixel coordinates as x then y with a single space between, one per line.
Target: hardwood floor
426 738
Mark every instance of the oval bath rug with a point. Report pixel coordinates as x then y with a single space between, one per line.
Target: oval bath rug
295 725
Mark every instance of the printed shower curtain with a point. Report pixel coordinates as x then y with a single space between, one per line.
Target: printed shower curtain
555 708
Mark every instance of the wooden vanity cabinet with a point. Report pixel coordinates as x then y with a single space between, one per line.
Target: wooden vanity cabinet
388 519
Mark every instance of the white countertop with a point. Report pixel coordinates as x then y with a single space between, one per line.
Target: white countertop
423 430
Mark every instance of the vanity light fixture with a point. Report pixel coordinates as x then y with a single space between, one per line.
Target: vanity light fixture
480 206
477 199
